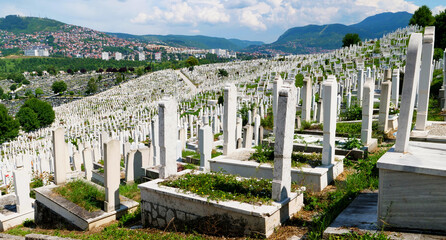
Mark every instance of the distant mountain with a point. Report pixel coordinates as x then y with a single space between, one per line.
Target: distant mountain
319 38
17 24
198 41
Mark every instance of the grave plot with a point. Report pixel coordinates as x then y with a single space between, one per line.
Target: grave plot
81 203
18 207
162 203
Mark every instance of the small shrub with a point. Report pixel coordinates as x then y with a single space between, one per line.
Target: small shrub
263 154
268 121
352 143
29 223
354 112
305 124
130 218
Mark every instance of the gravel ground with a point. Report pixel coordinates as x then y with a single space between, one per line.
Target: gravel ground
437 129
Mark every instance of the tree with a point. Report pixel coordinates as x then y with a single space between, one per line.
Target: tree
120 78
222 72
29 93
350 39
422 17
440 30
27 119
139 71
59 87
38 92
44 111
1 91
92 86
51 70
191 61
299 80
13 87
9 127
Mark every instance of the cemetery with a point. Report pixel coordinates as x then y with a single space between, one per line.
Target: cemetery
252 151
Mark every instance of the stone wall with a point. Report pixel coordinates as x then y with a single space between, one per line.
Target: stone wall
156 215
166 207
47 218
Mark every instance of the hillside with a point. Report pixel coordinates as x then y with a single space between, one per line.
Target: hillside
319 38
198 41
17 24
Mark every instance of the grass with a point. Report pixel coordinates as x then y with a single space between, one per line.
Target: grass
217 135
265 154
353 129
434 110
219 186
131 191
192 154
113 231
82 194
327 206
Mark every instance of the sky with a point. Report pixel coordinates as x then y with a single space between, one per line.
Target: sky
257 20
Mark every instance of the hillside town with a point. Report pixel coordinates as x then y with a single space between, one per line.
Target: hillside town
80 42
107 137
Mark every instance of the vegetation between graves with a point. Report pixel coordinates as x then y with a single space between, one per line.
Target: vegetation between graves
220 186
324 207
82 194
265 154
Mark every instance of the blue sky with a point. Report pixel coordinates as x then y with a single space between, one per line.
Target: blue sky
263 20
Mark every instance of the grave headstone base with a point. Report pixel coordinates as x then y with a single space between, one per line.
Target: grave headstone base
161 205
9 217
411 187
74 215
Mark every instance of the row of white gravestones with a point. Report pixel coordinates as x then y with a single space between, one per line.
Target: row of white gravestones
110 122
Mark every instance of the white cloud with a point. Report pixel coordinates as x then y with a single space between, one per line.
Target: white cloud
436 10
378 6
185 12
252 20
262 19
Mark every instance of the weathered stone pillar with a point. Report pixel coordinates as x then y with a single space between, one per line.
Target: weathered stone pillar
60 156
283 146
328 150
112 173
229 119
425 78
205 142
306 99
384 103
367 111
411 78
21 185
168 135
